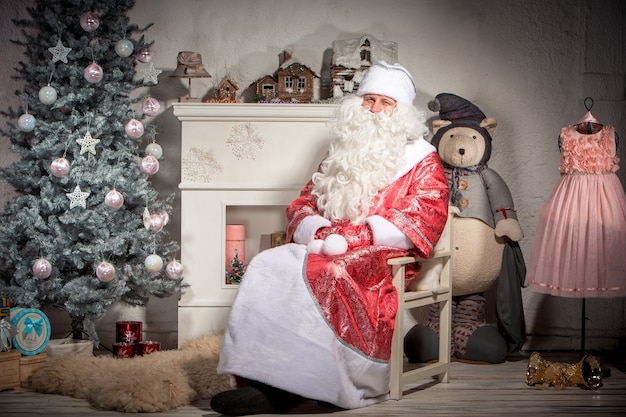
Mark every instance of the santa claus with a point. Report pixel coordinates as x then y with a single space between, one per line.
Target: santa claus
314 318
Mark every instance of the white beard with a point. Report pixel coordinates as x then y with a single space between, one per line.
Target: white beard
368 153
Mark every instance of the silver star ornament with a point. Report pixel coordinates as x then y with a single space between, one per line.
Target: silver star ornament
59 52
151 75
88 144
77 198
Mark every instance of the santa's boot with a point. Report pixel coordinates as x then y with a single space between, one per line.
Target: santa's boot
421 343
474 339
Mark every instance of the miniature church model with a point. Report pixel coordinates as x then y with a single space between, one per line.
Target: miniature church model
352 57
292 82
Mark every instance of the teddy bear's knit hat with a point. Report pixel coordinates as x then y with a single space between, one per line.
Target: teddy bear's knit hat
461 113
456 109
391 80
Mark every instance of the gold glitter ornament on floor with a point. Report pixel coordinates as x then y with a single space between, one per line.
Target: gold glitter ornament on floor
586 372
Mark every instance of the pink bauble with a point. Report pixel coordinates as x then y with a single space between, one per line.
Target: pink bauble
144 55
164 216
89 21
134 129
114 200
155 150
151 106
156 223
42 268
153 263
174 270
105 271
149 165
93 73
60 167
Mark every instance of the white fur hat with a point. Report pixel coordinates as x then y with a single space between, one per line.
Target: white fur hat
389 80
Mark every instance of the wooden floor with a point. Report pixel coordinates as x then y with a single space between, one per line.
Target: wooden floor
473 390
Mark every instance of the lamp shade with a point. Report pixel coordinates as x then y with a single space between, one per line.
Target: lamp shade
189 65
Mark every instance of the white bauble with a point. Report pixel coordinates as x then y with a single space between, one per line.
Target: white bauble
124 48
153 263
26 122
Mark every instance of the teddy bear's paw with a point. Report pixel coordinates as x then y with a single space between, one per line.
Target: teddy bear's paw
509 228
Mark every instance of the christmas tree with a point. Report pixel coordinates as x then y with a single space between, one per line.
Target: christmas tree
87 228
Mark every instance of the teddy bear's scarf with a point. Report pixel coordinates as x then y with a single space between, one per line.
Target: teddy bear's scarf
453 176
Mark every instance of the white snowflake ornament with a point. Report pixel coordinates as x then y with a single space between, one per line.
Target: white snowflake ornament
245 141
199 165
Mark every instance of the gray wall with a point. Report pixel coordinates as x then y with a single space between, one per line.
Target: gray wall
528 63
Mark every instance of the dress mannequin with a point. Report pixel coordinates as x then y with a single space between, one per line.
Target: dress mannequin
580 240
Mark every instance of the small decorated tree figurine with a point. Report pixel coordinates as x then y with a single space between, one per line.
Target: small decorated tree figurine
237 269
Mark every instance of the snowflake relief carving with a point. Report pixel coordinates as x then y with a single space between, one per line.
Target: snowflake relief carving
199 165
244 141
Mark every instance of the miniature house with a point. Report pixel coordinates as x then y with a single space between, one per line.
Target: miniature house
353 56
292 82
225 92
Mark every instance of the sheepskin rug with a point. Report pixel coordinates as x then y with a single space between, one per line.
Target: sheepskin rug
156 382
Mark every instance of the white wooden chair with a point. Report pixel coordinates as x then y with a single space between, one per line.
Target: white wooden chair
412 299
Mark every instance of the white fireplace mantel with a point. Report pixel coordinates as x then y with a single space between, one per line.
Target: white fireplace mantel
240 164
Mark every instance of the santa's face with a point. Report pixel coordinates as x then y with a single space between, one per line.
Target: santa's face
377 103
365 158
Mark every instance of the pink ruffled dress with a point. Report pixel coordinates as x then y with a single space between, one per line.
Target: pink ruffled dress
579 248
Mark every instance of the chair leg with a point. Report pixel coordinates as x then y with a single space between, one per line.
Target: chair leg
397 346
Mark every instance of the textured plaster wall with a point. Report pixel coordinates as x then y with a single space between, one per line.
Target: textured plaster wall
528 63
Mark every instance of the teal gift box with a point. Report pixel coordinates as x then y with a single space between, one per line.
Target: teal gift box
33 330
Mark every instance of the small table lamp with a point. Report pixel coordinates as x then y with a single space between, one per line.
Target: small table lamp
190 66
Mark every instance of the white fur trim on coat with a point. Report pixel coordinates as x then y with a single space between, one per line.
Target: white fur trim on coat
305 232
386 233
415 152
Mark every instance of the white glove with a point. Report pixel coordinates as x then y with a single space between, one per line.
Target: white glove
331 246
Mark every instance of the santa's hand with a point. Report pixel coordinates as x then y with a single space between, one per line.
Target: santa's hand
333 245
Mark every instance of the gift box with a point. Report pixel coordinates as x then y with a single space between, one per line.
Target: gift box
28 365
10 370
33 330
5 308
129 332
68 346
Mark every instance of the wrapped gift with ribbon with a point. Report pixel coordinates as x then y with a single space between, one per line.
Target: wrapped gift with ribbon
7 333
33 330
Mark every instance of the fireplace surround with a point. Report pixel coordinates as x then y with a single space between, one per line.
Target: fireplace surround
241 163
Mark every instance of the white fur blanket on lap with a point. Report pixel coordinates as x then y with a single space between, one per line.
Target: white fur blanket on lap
156 382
